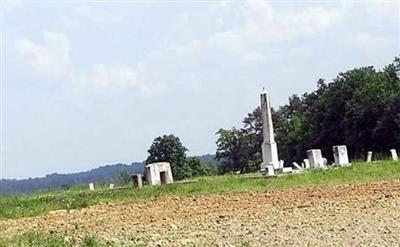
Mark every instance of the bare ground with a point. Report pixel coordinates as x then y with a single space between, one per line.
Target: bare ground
346 215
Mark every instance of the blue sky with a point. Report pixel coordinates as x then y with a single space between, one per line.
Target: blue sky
87 84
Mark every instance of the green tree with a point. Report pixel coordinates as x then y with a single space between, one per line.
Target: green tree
359 108
235 151
169 148
124 177
197 167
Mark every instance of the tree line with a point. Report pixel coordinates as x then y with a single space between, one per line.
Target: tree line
360 108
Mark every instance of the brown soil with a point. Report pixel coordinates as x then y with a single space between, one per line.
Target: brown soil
346 215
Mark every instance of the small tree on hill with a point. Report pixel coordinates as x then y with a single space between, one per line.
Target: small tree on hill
124 177
197 167
168 148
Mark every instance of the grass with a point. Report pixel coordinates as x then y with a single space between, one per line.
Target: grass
33 238
31 205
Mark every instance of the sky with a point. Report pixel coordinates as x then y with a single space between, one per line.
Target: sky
86 84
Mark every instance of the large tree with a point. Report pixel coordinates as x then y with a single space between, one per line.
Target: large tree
235 151
169 148
197 167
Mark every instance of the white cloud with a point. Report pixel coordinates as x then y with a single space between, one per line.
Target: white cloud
369 43
257 25
102 77
244 34
86 15
52 57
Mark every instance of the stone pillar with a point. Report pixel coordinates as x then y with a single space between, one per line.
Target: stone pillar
137 180
394 154
369 157
315 158
268 147
91 186
340 155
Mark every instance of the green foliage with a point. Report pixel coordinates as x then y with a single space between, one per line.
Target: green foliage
168 148
354 110
31 205
235 148
124 178
197 167
37 239
360 109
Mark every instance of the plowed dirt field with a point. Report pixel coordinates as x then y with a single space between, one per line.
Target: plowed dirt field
345 215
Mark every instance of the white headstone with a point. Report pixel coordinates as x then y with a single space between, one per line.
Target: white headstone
315 158
269 148
111 186
369 157
306 163
281 164
91 186
340 155
394 154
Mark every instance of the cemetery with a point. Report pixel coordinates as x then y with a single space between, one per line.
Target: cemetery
293 203
134 123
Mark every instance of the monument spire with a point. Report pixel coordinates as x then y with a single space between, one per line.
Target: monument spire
269 147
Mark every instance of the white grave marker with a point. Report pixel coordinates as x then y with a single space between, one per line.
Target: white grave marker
394 154
306 163
369 157
340 155
315 158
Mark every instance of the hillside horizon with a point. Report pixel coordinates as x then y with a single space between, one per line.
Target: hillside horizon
102 174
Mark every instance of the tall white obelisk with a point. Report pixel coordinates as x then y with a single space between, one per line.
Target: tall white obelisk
268 147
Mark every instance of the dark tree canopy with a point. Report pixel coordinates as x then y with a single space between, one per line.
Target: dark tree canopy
360 108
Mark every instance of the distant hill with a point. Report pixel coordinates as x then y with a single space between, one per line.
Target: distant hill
106 173
102 174
207 158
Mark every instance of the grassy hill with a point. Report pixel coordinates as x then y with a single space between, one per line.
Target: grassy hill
79 197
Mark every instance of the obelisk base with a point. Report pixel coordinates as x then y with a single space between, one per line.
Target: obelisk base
270 156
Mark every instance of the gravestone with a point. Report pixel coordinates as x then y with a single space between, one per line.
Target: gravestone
340 155
324 161
315 158
111 186
297 166
159 173
394 154
91 186
306 163
281 164
137 180
369 157
269 148
287 170
270 171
